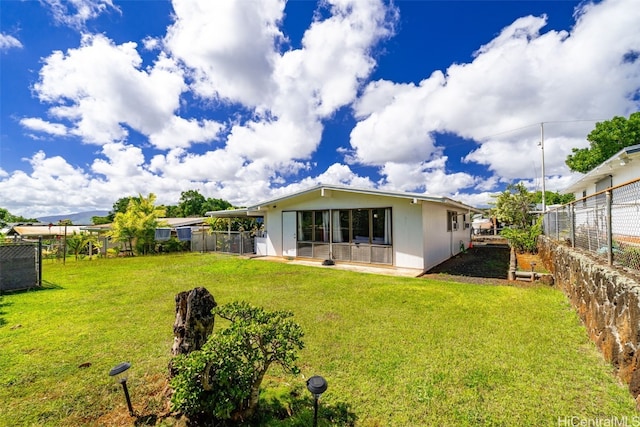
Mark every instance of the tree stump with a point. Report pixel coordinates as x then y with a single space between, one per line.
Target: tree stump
194 320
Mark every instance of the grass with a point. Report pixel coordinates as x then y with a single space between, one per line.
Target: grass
395 351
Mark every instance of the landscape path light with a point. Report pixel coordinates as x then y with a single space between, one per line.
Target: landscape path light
316 385
119 373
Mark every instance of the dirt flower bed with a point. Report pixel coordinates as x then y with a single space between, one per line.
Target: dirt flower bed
483 265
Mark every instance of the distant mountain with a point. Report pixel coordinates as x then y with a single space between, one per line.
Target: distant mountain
80 218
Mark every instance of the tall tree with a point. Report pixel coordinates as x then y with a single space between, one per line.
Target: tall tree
192 203
99 220
138 223
514 205
173 211
216 205
120 206
6 217
553 198
608 138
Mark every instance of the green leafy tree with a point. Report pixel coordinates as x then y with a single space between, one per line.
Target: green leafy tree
79 243
514 206
192 203
524 239
173 211
6 217
608 138
233 224
216 205
120 206
124 229
138 223
553 198
100 220
148 219
224 377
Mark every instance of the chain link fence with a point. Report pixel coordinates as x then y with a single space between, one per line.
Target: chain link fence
606 224
233 242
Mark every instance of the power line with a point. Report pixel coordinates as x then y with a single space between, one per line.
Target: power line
538 124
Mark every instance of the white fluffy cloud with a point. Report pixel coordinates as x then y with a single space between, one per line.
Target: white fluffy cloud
75 13
519 78
7 42
101 93
234 56
38 125
230 46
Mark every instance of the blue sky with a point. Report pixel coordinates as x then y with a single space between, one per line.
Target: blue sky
249 100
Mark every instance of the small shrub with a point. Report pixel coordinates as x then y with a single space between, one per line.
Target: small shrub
173 245
113 252
223 378
524 239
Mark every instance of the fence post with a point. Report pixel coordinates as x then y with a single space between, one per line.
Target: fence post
609 229
39 257
557 211
572 224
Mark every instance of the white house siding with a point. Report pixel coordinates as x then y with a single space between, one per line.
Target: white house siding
406 221
620 176
440 244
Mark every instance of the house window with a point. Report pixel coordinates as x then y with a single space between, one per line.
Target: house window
360 226
452 221
341 221
602 185
367 226
381 220
321 226
313 226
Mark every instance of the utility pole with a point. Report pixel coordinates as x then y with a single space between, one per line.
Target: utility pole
544 203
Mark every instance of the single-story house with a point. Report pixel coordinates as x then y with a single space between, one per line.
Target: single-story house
340 223
590 215
620 168
177 227
180 228
46 231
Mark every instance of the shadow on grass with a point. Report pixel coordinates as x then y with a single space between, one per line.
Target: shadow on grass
46 286
295 412
2 312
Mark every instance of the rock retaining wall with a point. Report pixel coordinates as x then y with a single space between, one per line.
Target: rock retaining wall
606 299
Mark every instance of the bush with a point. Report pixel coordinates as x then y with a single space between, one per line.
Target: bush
223 378
173 245
524 239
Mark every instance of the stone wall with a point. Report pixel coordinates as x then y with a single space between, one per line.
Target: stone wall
607 300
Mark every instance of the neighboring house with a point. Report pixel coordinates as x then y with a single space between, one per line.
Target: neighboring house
620 168
47 232
171 227
590 213
179 228
361 225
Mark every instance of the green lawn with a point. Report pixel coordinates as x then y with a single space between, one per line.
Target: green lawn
395 351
